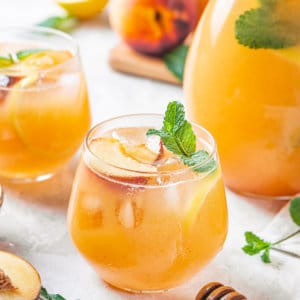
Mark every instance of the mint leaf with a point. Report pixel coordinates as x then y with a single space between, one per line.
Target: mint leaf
175 61
257 28
254 244
295 210
168 139
265 27
6 61
186 139
21 55
269 3
197 158
174 117
64 23
265 257
178 137
44 295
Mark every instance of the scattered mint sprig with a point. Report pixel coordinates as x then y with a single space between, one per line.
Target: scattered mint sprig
44 295
63 23
256 245
264 28
175 61
178 137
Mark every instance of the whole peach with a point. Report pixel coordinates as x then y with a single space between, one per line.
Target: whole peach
154 27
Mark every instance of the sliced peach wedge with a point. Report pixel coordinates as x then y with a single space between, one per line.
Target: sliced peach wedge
112 159
19 280
147 153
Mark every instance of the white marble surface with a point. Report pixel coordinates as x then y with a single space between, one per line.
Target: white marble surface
34 216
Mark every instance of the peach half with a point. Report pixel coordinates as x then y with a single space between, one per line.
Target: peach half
154 27
19 280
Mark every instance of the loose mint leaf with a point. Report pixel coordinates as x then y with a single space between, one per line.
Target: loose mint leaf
174 117
295 210
265 257
254 244
178 137
258 28
44 295
5 61
64 23
21 55
175 61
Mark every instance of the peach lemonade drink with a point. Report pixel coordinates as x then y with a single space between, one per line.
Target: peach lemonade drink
242 82
44 110
142 218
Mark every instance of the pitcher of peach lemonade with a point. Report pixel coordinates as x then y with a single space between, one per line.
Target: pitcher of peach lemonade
242 82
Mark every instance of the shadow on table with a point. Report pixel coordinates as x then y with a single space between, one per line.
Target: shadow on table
53 192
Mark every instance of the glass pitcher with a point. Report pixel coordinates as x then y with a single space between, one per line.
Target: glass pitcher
242 82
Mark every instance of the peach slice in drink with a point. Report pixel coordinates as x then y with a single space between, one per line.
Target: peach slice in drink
148 153
111 160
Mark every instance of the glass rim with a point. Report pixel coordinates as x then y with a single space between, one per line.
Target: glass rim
185 169
40 29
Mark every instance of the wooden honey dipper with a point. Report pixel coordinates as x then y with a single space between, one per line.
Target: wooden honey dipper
218 291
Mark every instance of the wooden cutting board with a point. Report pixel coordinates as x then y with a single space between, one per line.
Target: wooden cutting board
126 60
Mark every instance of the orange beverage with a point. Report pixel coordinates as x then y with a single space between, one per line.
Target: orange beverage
44 110
141 218
249 98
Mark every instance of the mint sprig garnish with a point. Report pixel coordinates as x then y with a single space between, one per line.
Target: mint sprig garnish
44 295
175 61
14 58
178 137
264 28
65 23
256 245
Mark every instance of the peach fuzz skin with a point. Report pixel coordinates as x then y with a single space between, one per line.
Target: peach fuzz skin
154 27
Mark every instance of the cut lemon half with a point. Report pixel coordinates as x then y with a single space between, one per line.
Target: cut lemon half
194 205
82 9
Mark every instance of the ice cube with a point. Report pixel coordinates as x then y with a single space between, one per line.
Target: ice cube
7 82
126 215
153 143
4 81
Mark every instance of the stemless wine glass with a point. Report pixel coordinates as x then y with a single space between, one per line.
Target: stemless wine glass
44 110
246 92
144 220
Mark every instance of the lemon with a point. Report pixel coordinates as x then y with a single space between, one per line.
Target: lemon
195 204
290 54
82 9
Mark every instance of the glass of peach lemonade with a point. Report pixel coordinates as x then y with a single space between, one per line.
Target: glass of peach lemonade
141 217
242 82
44 110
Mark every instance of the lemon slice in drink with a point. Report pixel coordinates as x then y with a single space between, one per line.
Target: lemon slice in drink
82 9
194 205
291 55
